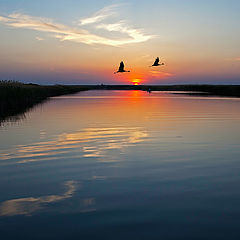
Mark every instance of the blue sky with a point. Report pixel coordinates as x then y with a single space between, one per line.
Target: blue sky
198 41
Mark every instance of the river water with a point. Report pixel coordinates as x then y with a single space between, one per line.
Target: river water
122 165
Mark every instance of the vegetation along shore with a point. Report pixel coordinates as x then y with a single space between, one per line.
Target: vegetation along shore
16 97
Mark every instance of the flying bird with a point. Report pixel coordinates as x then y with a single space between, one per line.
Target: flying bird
121 68
156 63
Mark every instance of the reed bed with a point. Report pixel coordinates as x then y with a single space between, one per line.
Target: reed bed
16 97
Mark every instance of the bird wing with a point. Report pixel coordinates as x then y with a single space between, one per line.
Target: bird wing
121 67
156 61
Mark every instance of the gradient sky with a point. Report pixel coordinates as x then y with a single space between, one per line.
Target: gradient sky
82 42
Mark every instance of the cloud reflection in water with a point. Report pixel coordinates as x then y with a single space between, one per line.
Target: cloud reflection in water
101 143
27 206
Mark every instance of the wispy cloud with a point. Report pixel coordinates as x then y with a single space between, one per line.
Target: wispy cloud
100 15
39 38
135 35
236 59
155 73
81 35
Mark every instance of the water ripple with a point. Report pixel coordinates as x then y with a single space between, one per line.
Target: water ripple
90 142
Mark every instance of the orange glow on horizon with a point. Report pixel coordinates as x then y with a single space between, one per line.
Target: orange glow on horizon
136 81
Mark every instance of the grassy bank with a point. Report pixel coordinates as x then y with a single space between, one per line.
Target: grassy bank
16 97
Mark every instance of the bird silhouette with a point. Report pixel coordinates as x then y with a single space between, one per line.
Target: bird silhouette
156 63
121 68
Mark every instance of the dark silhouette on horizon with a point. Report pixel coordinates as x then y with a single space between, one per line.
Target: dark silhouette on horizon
121 68
156 63
149 90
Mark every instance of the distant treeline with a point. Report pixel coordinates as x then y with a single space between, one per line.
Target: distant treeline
217 90
16 97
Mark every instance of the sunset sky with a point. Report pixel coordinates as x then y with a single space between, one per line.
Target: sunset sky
83 42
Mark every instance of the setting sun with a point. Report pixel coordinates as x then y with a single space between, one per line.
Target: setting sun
136 81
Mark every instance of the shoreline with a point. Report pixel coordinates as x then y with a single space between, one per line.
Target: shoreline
16 98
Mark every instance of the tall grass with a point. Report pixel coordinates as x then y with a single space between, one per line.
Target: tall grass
16 97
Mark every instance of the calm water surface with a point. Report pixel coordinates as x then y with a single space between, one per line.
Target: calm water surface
122 165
